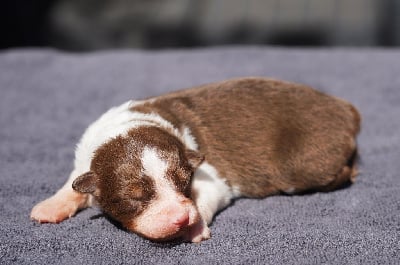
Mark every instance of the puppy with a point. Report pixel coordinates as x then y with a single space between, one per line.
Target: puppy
163 167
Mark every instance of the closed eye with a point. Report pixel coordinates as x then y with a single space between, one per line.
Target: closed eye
125 206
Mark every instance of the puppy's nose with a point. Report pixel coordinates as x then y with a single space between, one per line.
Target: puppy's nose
182 220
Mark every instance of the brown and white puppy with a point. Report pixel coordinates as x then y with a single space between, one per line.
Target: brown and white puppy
164 166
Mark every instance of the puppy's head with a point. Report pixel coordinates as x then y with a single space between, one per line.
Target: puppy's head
143 181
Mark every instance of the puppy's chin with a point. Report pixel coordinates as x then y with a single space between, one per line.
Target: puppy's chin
177 235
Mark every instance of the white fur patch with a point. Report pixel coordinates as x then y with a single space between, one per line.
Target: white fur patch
153 165
236 192
156 168
290 190
111 124
189 139
212 192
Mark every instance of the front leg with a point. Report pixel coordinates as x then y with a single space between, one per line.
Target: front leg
62 205
210 194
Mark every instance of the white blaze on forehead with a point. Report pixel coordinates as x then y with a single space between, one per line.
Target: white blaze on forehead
153 165
159 218
156 168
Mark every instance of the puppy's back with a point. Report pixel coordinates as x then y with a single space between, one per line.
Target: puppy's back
265 136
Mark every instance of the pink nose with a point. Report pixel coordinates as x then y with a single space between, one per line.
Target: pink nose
182 220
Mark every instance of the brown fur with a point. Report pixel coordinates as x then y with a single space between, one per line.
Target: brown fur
266 136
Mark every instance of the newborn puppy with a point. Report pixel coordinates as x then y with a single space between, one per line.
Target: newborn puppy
164 166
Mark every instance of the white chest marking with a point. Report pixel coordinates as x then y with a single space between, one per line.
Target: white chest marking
213 193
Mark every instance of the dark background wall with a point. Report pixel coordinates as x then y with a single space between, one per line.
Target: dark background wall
81 25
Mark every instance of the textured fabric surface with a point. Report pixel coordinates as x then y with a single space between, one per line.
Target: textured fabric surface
47 99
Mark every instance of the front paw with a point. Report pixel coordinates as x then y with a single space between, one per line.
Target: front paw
55 209
197 233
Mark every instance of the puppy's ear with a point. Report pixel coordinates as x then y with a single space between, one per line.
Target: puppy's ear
86 183
194 158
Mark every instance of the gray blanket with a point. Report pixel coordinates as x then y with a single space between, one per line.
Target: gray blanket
47 98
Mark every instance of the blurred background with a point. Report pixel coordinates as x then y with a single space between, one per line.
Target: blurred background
84 25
